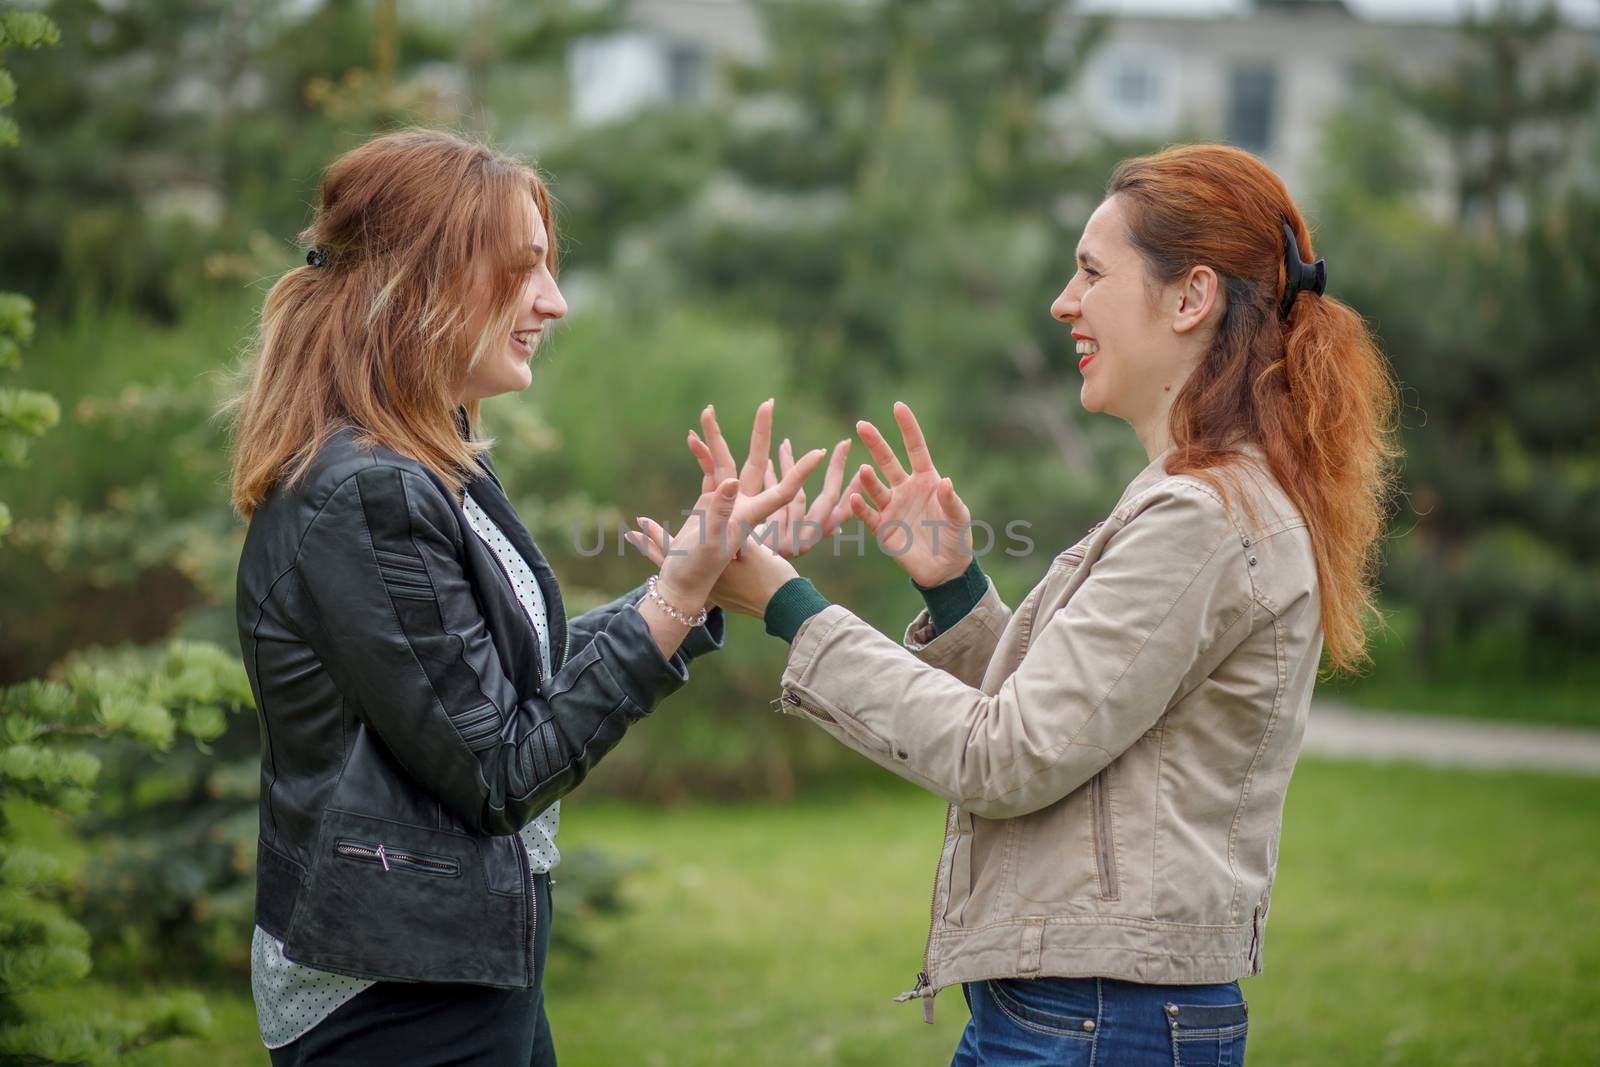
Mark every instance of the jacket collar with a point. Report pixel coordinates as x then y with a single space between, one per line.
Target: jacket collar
1153 473
1157 468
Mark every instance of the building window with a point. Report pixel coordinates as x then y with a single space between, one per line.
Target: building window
1135 87
614 75
1252 99
686 73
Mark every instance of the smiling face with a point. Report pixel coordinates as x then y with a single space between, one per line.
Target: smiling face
1137 339
504 364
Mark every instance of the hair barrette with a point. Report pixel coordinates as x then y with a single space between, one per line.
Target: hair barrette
1298 275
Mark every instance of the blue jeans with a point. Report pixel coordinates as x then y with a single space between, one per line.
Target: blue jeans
1101 1022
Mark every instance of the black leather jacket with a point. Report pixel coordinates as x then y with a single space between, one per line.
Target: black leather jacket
407 733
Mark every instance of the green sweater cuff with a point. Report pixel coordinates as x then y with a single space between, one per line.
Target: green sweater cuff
949 602
794 602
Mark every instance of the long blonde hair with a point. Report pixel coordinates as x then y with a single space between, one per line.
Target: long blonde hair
377 338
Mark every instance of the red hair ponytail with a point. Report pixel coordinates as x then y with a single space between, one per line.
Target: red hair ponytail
1311 388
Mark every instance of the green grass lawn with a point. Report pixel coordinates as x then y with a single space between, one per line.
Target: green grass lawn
1421 917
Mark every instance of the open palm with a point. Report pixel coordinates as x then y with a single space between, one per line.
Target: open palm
919 520
734 502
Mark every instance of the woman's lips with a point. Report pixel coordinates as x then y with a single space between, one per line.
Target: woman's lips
1084 341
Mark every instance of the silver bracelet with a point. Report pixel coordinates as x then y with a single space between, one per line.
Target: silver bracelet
691 621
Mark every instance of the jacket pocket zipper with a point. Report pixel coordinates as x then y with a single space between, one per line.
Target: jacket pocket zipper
391 859
857 730
1104 847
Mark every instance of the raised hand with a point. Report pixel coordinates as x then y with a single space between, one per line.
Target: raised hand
730 508
919 520
793 529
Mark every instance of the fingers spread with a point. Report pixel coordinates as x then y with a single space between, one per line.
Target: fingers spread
867 481
828 500
796 507
708 462
881 453
775 530
779 495
649 549
656 532
953 505
651 539
916 444
835 475
760 450
840 513
863 511
726 467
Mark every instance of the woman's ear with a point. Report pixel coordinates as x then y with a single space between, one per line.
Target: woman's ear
1198 295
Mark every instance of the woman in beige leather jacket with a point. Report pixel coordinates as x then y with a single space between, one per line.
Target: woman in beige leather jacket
1117 748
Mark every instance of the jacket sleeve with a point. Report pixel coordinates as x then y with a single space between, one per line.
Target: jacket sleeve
397 626
697 642
1167 596
964 650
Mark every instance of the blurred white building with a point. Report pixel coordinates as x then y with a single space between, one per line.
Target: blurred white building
1260 74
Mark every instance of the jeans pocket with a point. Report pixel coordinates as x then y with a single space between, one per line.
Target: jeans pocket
1208 1035
1052 1007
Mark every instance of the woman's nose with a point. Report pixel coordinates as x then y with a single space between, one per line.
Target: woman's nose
1065 308
550 303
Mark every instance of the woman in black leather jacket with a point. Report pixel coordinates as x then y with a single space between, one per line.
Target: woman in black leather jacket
423 700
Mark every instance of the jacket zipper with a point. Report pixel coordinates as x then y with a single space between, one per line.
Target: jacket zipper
533 910
933 916
539 678
923 987
383 855
1105 857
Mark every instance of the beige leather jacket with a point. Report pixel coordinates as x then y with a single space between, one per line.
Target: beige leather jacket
1115 751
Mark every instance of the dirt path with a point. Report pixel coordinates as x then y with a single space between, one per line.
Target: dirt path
1342 732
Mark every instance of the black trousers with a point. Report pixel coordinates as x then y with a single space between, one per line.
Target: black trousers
425 1024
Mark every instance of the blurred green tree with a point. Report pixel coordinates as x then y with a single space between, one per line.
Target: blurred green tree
47 772
1494 564
54 736
24 413
1508 107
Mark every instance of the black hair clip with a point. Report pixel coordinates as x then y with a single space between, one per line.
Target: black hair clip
1298 275
317 257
